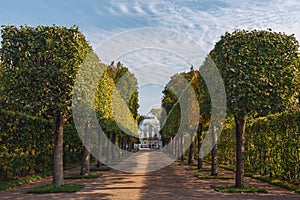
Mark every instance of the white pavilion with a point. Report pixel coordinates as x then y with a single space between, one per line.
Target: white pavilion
149 134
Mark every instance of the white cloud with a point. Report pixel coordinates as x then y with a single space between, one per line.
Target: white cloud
139 9
204 21
124 8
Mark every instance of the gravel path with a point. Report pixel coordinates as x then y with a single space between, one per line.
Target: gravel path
171 182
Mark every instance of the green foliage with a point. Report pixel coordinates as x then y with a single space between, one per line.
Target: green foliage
4 185
71 187
196 169
103 97
172 124
233 189
277 182
170 102
259 70
26 145
280 183
40 66
260 73
85 176
271 148
202 176
102 168
116 102
128 88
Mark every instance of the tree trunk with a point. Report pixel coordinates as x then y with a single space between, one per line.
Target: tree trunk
192 151
170 147
99 163
200 139
113 147
240 136
120 147
176 147
108 148
129 145
124 147
85 166
214 161
58 168
181 148
173 147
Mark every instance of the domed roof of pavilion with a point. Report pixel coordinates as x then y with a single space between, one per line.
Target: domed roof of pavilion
150 120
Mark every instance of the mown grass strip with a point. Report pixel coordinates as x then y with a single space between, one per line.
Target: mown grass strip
221 176
86 176
5 185
102 168
56 189
21 181
196 169
233 189
277 182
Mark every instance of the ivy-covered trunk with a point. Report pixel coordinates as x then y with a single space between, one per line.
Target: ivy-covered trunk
200 139
240 124
58 168
85 166
214 157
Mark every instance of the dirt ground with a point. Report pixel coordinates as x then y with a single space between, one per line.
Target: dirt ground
171 182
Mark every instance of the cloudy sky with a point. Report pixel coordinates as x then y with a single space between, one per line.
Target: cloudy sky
202 21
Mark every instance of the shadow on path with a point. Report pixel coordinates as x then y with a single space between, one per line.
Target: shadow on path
171 182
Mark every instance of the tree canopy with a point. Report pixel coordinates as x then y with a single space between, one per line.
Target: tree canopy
38 74
260 73
259 70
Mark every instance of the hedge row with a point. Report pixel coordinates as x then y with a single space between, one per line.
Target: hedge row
26 145
272 146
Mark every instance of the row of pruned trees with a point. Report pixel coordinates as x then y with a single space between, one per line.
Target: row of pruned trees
39 69
260 72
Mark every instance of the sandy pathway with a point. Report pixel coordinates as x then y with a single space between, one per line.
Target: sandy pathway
171 182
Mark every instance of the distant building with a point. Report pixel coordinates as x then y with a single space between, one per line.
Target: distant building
149 129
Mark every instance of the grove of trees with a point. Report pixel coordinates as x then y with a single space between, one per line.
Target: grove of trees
39 67
260 71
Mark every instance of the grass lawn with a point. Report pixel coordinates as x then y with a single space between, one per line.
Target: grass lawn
233 189
4 185
280 183
102 168
277 182
86 176
56 189
21 181
196 169
221 176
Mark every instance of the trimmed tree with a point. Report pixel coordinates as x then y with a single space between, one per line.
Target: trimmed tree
110 100
86 82
39 69
177 88
259 70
